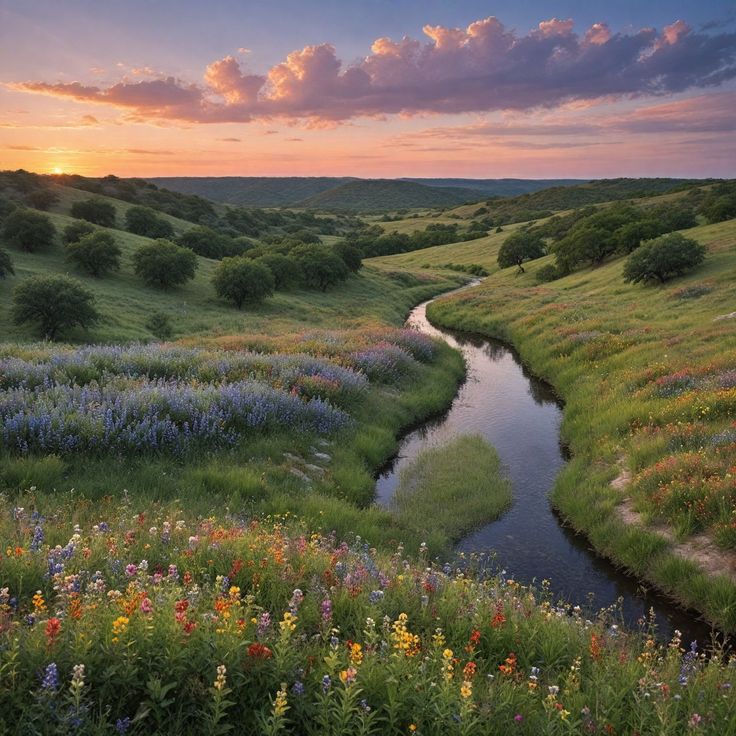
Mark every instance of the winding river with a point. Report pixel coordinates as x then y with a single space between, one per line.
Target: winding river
520 416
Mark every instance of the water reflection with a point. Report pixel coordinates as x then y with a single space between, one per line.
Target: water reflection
520 416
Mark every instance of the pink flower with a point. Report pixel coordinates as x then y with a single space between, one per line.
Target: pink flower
146 605
131 570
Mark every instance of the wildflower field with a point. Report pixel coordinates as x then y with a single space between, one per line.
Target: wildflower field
121 619
647 374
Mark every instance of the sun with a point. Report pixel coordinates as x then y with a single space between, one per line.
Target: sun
57 170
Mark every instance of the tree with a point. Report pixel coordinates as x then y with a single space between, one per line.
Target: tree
519 247
584 244
629 236
242 280
53 303
6 264
145 221
159 325
321 266
208 243
42 198
29 230
77 230
663 258
285 270
350 255
164 264
95 210
96 253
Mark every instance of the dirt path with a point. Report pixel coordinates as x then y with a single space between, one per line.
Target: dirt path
699 548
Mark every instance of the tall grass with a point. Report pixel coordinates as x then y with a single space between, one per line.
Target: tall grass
450 490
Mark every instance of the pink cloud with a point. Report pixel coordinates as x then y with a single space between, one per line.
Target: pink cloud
484 67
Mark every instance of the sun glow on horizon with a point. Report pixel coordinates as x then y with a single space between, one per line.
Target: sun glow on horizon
57 170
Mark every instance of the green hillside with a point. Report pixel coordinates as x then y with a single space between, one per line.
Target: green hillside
251 191
499 187
379 195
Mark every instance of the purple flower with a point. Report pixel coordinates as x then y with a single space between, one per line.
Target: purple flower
50 681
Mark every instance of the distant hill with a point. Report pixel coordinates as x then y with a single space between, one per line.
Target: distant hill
289 191
380 195
499 187
252 191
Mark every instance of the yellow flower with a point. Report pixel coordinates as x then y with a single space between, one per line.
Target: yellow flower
412 727
220 679
119 625
466 689
287 624
280 704
356 653
38 602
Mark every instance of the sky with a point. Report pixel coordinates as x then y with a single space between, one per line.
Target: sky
370 88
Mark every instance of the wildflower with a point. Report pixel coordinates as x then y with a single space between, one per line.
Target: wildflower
38 602
220 680
326 683
131 570
298 688
119 626
287 624
53 629
469 670
326 610
122 725
259 651
412 727
509 665
466 689
77 682
348 676
695 720
280 705
146 605
50 680
595 647
438 638
356 653
518 718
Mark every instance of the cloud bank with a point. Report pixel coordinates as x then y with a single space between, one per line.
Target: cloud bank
482 68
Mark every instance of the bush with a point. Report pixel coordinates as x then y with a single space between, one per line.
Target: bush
663 258
29 230
76 231
207 243
6 264
94 210
350 255
159 325
242 280
53 303
144 221
321 266
96 253
547 273
164 264
520 247
285 270
42 199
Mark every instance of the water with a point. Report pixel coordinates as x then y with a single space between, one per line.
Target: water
520 416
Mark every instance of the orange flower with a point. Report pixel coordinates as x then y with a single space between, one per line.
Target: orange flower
509 666
53 629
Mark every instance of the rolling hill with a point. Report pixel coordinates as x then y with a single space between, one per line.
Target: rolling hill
499 187
380 195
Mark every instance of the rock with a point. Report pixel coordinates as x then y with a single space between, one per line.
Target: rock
323 456
299 474
316 469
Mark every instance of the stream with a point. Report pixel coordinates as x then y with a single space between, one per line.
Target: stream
520 416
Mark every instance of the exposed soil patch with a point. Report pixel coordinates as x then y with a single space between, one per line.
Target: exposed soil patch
699 548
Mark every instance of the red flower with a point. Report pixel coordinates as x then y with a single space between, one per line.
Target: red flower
53 629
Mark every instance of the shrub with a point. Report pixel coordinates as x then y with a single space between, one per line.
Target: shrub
96 253
164 264
547 273
42 199
53 303
6 264
29 230
663 258
242 281
145 221
285 270
520 247
95 210
159 325
350 255
76 231
208 243
321 266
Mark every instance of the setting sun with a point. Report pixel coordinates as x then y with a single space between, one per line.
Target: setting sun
57 170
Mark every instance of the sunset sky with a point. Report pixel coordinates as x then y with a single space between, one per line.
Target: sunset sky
373 88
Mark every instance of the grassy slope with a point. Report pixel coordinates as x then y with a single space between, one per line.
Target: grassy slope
641 327
194 309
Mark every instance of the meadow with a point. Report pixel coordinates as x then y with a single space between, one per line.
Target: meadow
646 374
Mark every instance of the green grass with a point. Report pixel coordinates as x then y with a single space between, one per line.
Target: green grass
451 490
126 303
604 345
